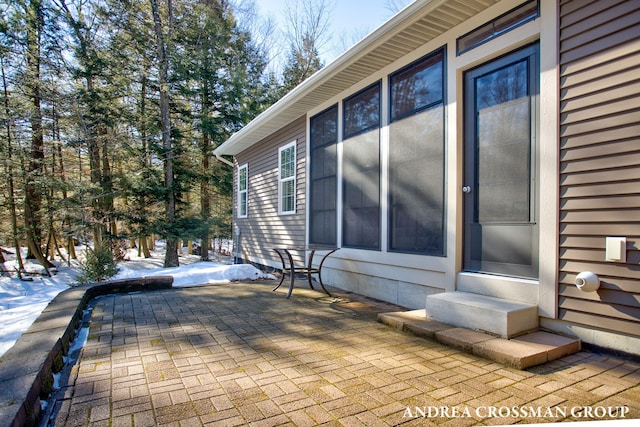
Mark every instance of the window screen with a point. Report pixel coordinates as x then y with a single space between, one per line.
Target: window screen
323 203
361 169
416 158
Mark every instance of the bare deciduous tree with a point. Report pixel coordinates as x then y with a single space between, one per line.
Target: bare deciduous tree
307 30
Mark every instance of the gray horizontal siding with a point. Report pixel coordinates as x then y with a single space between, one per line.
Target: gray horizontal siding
600 160
265 228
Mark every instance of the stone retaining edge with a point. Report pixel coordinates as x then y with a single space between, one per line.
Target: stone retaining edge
26 369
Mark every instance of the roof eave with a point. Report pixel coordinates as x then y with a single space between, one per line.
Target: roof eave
301 99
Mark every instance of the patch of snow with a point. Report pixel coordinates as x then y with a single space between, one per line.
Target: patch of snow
21 302
200 273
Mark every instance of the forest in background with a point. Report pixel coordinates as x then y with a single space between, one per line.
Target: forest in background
110 111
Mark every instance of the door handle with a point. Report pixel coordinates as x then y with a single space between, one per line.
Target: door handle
466 189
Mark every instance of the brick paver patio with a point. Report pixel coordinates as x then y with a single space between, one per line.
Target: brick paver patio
239 354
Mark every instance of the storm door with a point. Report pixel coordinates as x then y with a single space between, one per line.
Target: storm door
500 174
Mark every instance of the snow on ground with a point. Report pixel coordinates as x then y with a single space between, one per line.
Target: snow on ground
21 302
199 273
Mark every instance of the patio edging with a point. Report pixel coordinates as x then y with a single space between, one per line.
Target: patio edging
26 368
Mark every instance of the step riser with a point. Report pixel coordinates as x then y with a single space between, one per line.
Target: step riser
506 319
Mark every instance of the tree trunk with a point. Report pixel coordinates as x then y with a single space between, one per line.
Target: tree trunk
96 177
171 254
50 248
205 198
9 170
3 271
52 244
35 173
93 127
71 249
144 247
205 193
106 185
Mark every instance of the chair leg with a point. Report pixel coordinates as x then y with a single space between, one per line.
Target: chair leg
309 268
320 271
292 271
322 284
284 269
281 280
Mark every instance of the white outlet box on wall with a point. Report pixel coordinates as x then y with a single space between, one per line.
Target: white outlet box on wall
616 249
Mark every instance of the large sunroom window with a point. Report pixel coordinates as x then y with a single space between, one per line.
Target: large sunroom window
323 177
361 169
416 157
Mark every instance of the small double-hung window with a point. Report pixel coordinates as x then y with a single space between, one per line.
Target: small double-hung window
287 178
243 191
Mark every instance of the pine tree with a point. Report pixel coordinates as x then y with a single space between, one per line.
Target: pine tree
89 69
120 119
7 154
163 31
302 62
221 77
131 52
34 17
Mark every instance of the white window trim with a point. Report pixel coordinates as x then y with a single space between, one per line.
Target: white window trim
244 167
293 178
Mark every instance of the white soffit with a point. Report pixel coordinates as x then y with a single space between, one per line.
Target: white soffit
415 25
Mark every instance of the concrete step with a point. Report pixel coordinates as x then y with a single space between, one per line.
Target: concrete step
531 349
501 317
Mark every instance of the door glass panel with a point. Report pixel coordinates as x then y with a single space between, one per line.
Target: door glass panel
503 147
500 198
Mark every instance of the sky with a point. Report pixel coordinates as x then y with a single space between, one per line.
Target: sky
350 21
